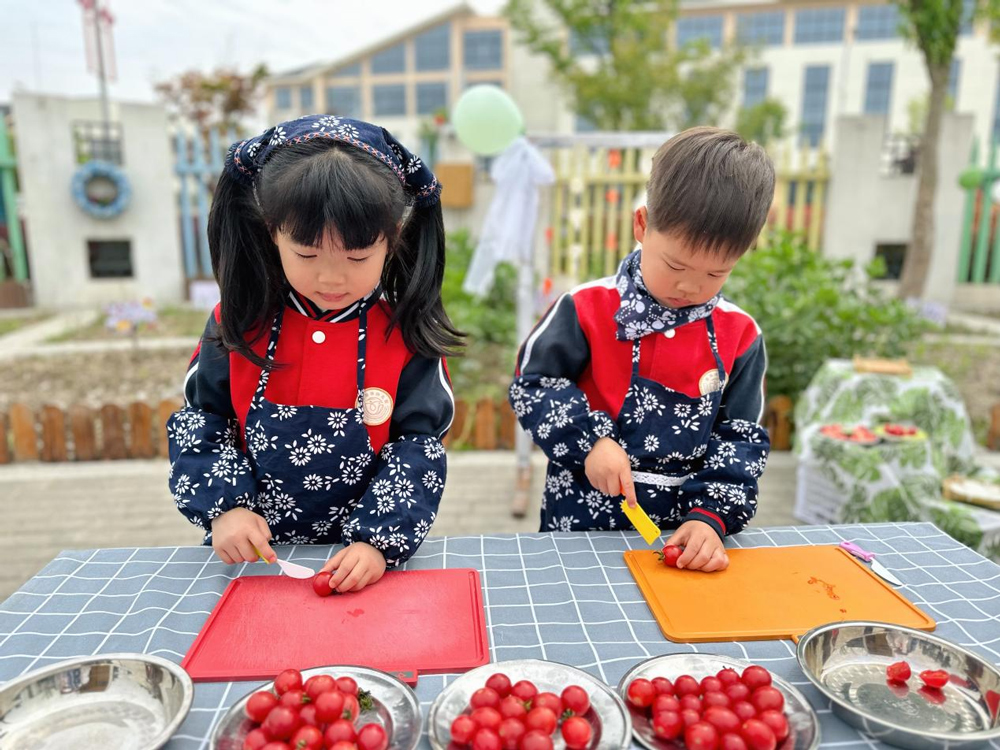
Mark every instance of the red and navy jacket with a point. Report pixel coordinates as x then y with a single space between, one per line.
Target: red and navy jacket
576 341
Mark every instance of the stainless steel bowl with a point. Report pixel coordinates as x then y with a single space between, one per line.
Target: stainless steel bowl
396 708
847 662
122 701
608 715
802 722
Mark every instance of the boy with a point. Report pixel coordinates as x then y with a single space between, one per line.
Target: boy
649 384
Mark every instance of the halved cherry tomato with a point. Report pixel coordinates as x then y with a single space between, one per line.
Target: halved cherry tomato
934 678
898 672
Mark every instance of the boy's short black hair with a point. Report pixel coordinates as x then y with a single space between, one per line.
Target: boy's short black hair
712 188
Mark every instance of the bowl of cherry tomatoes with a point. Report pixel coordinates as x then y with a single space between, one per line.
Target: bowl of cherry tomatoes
707 702
528 704
327 708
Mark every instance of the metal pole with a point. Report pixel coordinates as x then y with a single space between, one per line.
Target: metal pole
102 76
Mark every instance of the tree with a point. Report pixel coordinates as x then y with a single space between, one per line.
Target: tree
933 26
218 99
618 69
764 122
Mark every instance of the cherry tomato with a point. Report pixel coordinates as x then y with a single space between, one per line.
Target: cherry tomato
690 717
663 686
933 695
686 685
671 554
372 737
524 690
758 735
329 706
276 745
898 672
641 693
343 746
778 723
691 703
668 725
512 708
577 733
293 699
347 685
756 677
550 701
738 692
307 738
260 704
308 715
934 678
744 709
723 719
511 731
701 736
290 679
666 703
711 685
486 739
487 718
281 723
575 699
541 718
535 740
501 683
255 739
319 683
728 676
716 699
732 741
341 731
321 584
463 729
485 698
352 709
767 699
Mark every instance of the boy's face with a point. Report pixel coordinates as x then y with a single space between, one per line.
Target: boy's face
676 274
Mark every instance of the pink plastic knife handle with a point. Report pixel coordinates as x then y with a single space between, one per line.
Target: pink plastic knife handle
857 551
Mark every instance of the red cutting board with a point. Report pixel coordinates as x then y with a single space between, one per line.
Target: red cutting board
407 623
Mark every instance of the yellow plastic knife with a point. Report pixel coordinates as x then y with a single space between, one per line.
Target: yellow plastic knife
643 523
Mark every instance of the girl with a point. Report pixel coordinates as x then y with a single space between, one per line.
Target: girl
318 396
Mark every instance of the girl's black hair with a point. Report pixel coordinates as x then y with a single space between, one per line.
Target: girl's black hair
307 190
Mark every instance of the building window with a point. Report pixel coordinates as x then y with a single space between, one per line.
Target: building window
594 43
700 27
755 86
877 22
392 60
344 101
389 100
814 96
483 50
761 28
348 70
431 97
954 75
110 259
893 254
306 97
968 11
470 84
878 89
433 48
818 25
283 97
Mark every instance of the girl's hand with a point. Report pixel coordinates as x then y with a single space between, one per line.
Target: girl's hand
235 534
609 470
703 550
356 566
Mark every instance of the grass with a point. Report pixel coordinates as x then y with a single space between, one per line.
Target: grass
172 322
14 323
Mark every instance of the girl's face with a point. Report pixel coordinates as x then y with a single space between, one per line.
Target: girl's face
329 276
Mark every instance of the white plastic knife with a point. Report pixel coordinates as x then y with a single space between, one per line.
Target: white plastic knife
869 557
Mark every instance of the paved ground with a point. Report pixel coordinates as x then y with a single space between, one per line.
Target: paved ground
50 507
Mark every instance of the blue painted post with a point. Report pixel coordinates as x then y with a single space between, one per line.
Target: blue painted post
187 225
201 178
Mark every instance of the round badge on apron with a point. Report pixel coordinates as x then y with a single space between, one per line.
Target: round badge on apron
377 406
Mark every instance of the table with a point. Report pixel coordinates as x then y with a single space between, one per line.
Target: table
564 597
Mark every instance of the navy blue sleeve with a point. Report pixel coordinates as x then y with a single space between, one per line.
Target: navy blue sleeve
549 404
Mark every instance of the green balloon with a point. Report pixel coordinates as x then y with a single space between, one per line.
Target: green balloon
971 178
486 120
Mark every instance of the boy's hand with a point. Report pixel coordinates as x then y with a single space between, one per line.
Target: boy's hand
235 534
357 565
608 469
703 550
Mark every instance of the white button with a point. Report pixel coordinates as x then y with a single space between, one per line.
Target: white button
670 334
319 337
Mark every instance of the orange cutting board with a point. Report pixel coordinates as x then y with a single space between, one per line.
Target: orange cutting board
768 593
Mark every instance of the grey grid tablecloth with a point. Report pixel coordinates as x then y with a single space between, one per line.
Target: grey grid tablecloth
563 597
